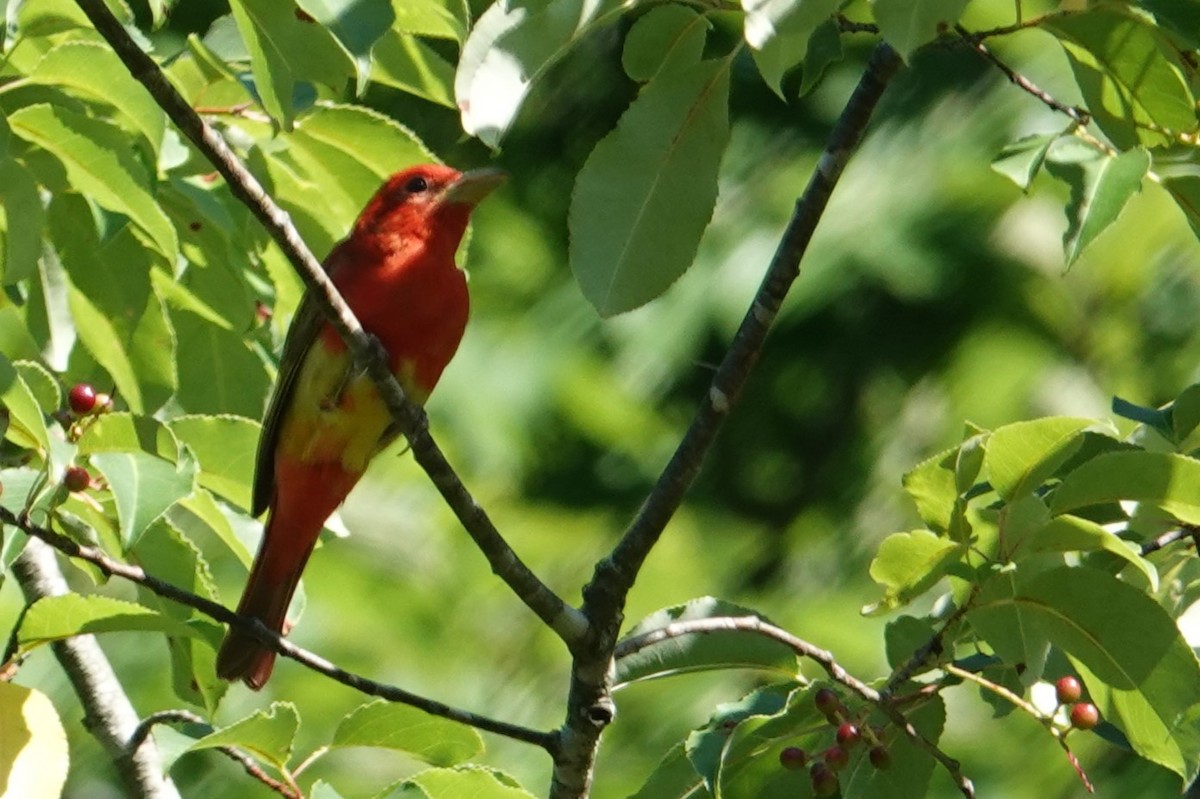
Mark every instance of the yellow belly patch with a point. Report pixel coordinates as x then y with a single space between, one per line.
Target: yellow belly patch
336 413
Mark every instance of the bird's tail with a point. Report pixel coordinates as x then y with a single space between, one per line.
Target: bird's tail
303 502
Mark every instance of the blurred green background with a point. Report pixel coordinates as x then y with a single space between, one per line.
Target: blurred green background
933 294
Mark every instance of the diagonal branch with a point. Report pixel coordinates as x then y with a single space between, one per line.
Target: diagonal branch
366 351
254 628
590 706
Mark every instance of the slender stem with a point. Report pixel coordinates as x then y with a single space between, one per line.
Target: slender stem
253 627
365 349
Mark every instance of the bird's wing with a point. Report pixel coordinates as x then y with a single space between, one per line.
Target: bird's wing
306 324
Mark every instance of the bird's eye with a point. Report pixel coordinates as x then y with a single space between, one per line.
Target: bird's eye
416 185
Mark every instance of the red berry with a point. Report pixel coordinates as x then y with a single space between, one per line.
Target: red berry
824 781
1068 689
826 700
880 757
76 478
82 398
836 758
1084 716
848 735
793 757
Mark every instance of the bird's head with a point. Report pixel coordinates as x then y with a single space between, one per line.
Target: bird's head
426 200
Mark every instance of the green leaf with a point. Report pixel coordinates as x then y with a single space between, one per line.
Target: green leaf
1009 627
1132 80
21 222
1022 456
779 33
908 24
510 46
93 70
287 47
668 33
909 564
1166 480
1121 639
1101 186
1021 160
405 62
33 749
41 384
268 734
932 485
726 649
437 741
476 782
56 618
646 193
1068 533
47 17
437 19
126 432
144 487
26 424
225 447
708 747
356 25
1184 413
824 48
903 636
220 373
100 163
167 554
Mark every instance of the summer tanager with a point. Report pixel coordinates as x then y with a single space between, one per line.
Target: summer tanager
326 419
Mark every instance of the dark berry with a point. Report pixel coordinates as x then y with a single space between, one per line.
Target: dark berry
824 781
77 478
836 758
793 757
826 700
1084 716
848 735
880 757
82 398
1068 689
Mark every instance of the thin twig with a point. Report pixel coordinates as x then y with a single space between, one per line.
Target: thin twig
251 766
930 650
1186 532
803 648
365 349
261 633
1080 115
589 702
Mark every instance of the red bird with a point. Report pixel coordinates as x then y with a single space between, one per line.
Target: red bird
326 420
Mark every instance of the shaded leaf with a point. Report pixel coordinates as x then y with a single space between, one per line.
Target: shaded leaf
668 33
646 193
908 24
1167 480
1101 186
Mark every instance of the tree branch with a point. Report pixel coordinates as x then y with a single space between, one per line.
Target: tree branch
253 627
590 706
108 713
365 349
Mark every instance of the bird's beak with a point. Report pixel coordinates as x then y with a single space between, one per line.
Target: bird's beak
471 187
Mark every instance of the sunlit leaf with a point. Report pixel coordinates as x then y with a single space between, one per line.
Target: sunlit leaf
33 748
908 24
58 617
435 740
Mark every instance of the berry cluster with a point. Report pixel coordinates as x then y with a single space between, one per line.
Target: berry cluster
84 401
1083 715
823 768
